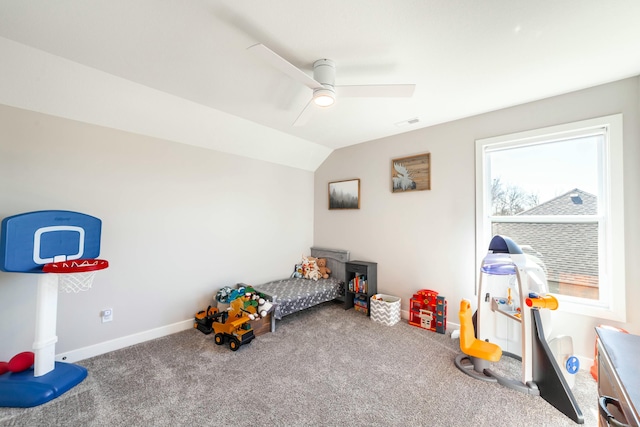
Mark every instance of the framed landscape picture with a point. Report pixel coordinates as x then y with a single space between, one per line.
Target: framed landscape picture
411 173
344 194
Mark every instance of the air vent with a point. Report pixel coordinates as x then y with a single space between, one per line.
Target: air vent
412 121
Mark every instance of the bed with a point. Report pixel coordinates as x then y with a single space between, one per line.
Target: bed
291 295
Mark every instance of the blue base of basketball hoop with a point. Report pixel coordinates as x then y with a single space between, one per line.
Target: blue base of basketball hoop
23 390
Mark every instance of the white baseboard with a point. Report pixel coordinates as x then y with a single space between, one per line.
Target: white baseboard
118 343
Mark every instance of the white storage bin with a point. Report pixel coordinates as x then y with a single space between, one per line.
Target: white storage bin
385 309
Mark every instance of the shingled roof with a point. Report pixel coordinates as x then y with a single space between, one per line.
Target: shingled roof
568 250
574 202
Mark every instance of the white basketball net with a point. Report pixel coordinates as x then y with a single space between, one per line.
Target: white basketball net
75 282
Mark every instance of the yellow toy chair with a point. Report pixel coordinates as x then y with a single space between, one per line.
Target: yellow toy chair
477 354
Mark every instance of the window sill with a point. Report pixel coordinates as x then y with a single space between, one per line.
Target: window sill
596 311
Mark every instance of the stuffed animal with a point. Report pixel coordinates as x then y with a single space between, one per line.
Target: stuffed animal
223 294
304 265
264 306
226 294
297 272
261 309
310 268
322 268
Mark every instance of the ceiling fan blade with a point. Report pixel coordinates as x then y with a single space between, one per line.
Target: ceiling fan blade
305 114
376 91
278 62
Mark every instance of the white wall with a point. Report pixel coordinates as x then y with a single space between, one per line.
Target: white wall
179 222
426 239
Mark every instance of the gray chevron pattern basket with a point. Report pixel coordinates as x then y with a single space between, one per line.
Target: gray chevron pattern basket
385 309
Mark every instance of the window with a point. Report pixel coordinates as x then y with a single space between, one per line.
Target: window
558 193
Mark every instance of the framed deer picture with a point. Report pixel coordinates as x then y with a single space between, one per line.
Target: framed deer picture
411 173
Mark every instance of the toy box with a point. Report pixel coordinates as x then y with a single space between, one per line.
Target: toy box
385 309
261 325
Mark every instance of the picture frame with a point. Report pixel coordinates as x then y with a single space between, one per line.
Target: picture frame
412 173
344 194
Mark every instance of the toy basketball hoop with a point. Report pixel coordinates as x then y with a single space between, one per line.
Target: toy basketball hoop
61 248
76 275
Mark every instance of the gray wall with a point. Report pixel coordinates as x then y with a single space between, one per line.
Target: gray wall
427 239
179 222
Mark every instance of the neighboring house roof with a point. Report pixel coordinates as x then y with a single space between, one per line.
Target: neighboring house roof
569 250
574 202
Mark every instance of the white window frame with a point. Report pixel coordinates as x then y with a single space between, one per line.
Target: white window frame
611 249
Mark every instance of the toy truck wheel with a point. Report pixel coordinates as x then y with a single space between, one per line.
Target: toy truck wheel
234 344
219 339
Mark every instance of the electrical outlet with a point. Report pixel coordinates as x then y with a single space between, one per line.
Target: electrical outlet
107 315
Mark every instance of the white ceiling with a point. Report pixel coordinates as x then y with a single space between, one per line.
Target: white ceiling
180 69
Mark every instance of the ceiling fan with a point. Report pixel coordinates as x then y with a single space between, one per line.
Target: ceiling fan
323 83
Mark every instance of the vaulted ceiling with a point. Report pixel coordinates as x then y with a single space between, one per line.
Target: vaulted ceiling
180 70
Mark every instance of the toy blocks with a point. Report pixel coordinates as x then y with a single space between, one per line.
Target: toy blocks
427 310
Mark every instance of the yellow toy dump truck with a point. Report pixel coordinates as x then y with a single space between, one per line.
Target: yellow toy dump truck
232 326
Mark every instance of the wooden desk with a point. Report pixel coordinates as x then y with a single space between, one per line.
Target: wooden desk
619 375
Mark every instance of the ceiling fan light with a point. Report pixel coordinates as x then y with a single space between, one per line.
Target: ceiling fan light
324 97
